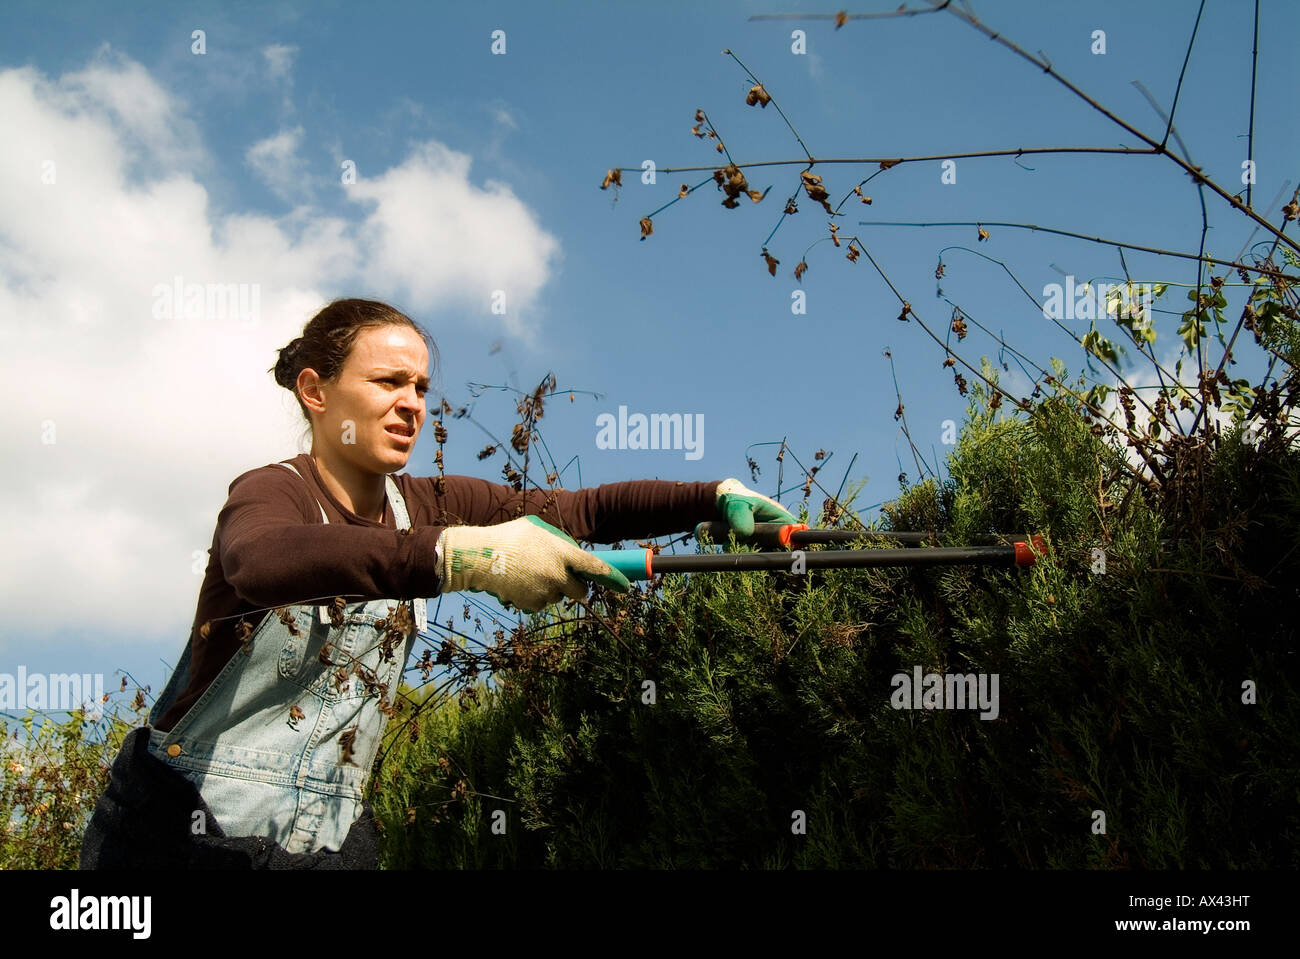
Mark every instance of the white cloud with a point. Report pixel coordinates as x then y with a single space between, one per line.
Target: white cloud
148 121
815 68
434 234
279 59
276 162
502 117
152 417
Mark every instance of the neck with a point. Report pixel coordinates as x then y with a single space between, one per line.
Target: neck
360 491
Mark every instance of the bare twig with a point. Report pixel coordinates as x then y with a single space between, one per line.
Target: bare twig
1234 264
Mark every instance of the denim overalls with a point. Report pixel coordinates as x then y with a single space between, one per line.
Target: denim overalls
265 743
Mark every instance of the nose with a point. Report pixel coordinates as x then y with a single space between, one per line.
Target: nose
410 403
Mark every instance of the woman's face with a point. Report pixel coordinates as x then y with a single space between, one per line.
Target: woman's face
379 391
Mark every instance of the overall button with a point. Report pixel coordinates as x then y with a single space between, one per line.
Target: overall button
174 750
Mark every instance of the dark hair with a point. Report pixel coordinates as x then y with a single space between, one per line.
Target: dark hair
328 337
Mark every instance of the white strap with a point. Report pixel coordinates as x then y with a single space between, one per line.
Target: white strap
324 519
421 621
322 611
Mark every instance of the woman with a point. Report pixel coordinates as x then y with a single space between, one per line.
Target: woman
258 751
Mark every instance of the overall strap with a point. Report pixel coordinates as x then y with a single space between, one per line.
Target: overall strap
403 521
324 519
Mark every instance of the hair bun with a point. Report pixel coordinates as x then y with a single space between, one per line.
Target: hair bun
284 366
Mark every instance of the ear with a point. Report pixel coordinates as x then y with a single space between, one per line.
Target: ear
309 390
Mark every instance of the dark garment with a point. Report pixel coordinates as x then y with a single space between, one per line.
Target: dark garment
271 547
145 817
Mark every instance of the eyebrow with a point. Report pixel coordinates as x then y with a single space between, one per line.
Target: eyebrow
422 381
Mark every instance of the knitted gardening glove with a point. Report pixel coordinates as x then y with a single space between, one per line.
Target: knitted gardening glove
527 562
741 507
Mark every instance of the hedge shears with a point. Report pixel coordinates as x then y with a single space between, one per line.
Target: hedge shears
1003 549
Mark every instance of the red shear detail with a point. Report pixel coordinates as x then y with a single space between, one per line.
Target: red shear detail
1027 553
787 529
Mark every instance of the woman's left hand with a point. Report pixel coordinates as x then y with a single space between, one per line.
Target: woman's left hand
741 507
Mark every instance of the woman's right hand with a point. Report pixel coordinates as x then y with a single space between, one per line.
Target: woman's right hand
526 562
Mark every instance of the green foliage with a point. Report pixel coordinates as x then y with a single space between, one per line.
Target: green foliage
1120 692
53 773
1272 317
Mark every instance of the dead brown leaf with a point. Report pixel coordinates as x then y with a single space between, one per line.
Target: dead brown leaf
812 184
348 742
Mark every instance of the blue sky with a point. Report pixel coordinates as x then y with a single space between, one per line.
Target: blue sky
477 172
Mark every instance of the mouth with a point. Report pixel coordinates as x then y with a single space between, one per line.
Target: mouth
406 434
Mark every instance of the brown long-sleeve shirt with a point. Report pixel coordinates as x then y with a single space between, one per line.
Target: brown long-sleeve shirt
271 549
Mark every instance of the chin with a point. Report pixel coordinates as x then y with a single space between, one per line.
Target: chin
393 459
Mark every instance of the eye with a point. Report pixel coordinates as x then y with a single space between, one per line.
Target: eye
422 390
